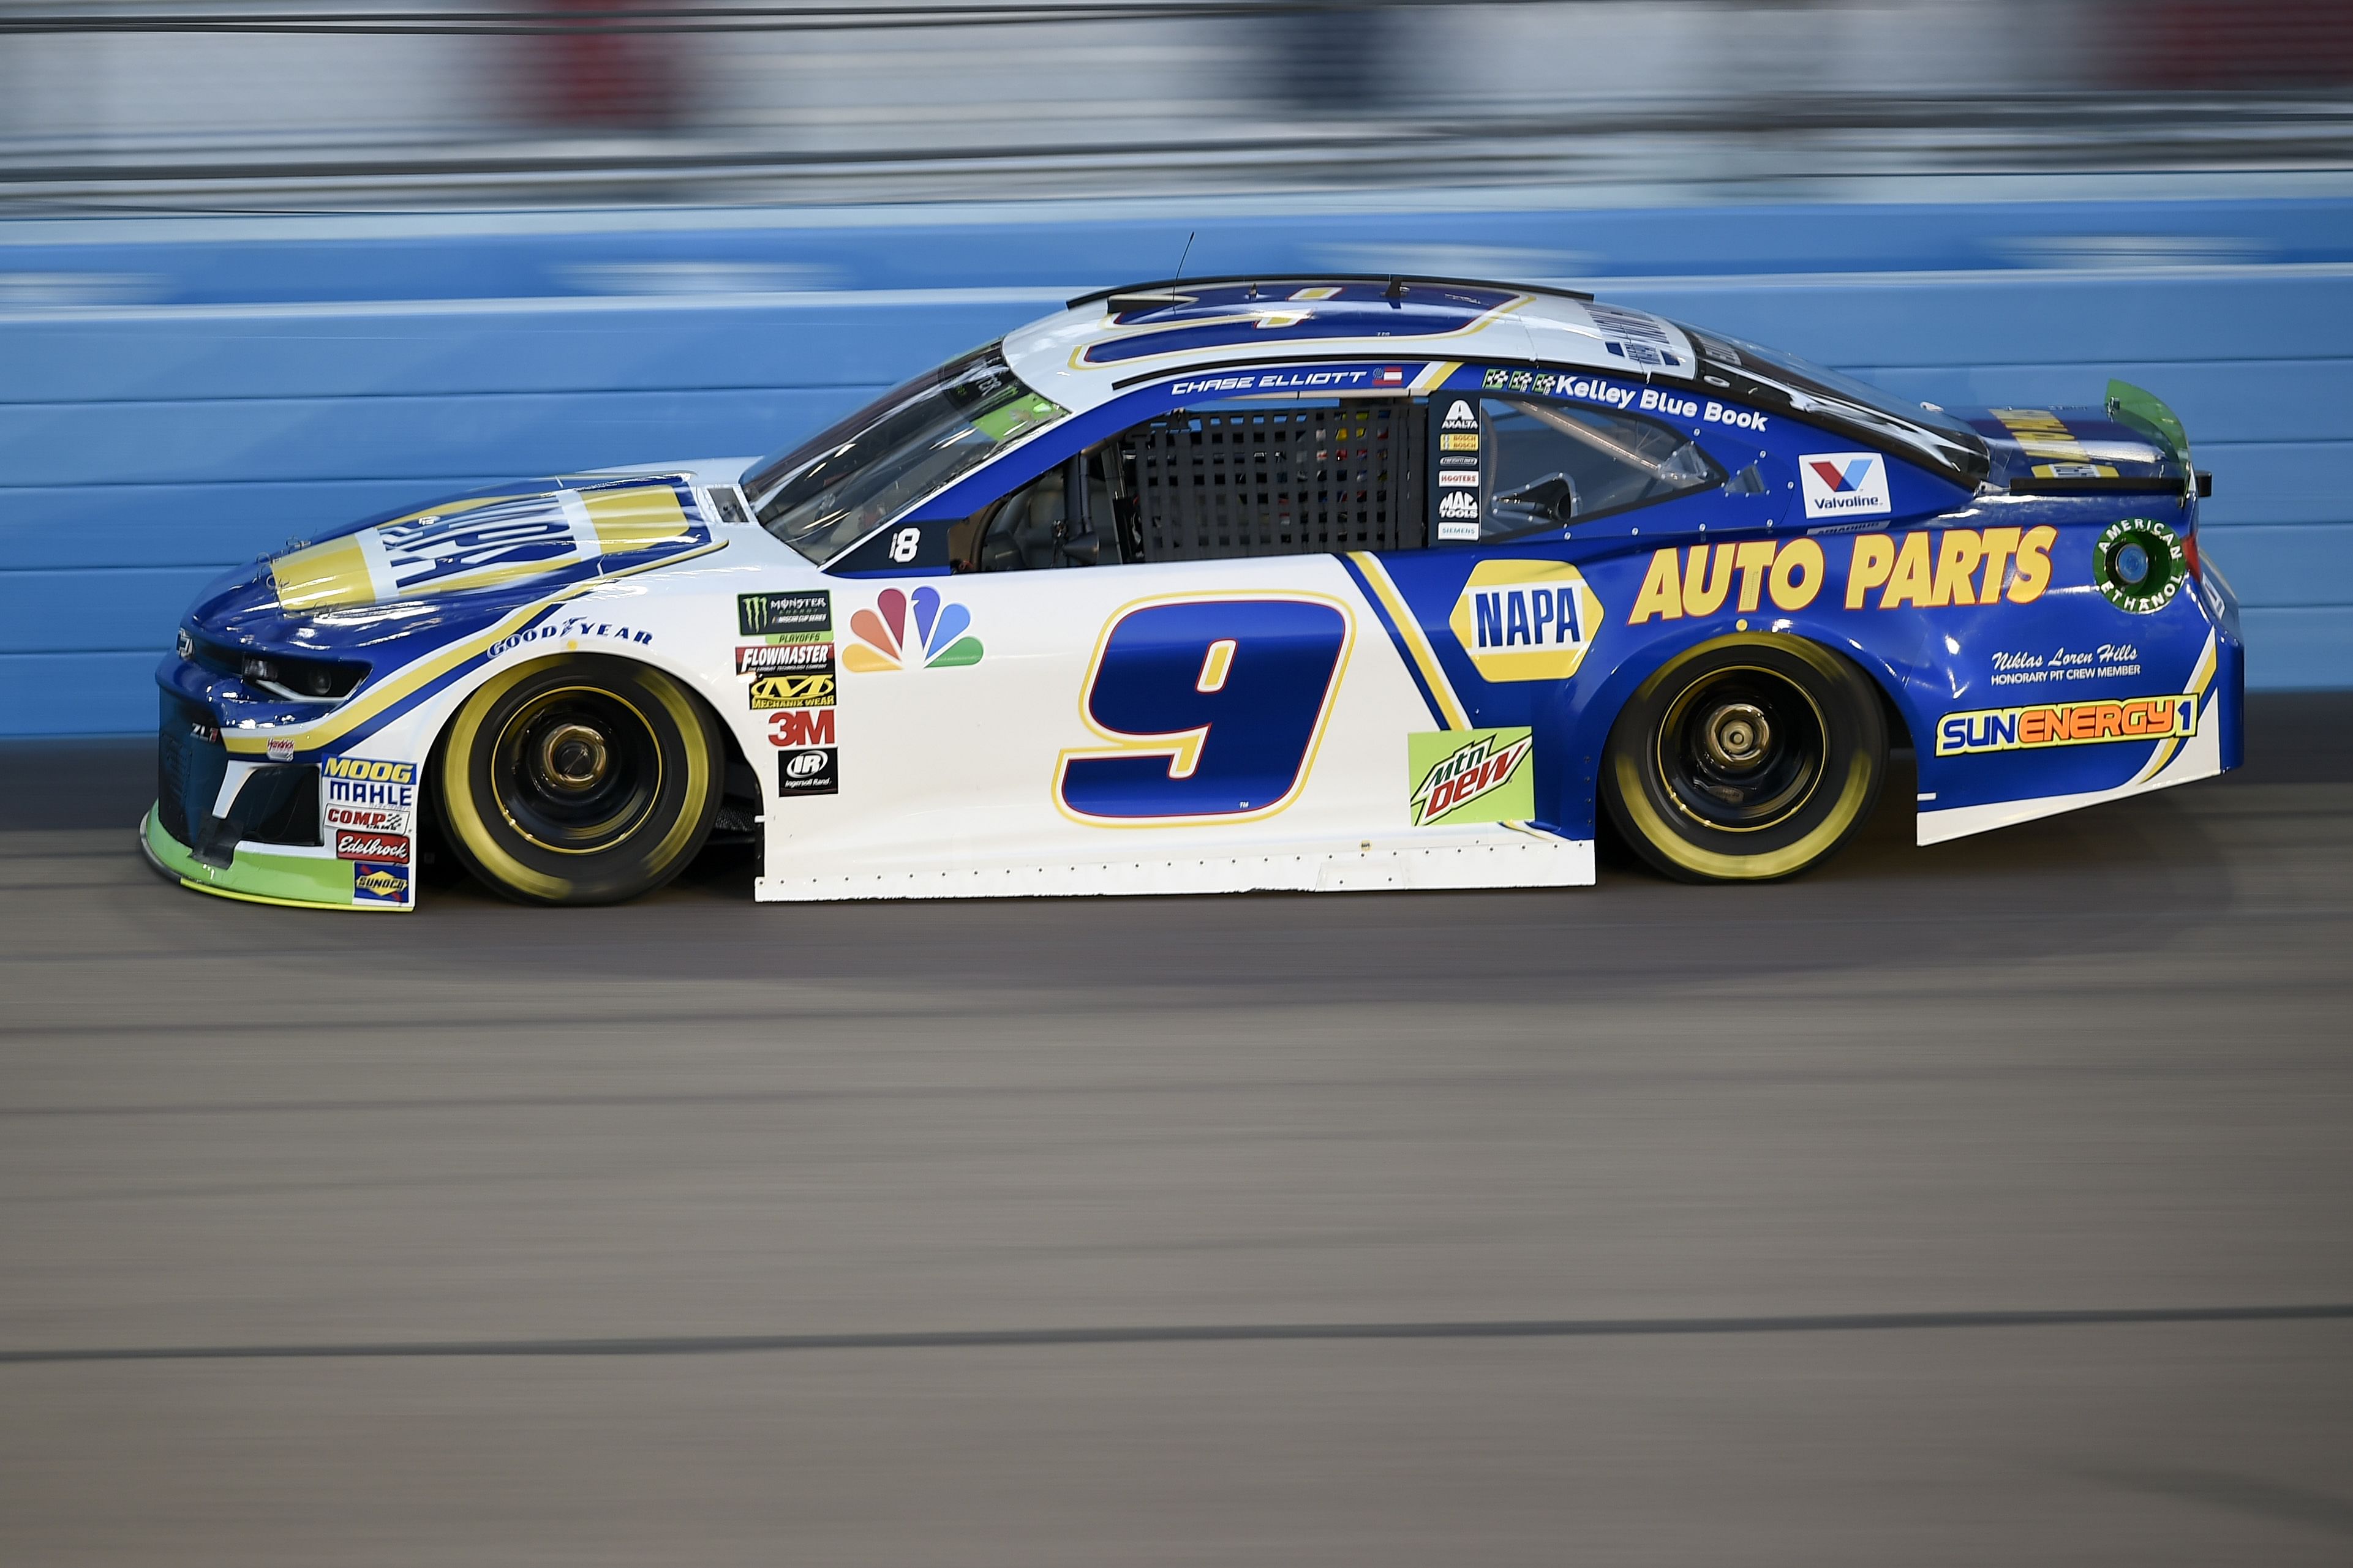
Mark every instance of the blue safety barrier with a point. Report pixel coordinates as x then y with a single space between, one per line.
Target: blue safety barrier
178 396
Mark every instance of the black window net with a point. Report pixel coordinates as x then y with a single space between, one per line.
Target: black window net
1294 481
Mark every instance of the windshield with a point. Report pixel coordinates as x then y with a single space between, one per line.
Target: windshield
1944 441
826 494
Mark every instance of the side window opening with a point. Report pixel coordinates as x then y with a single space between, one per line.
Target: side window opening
1291 478
1067 516
1506 466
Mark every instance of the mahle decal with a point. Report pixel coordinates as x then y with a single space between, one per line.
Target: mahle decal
1471 775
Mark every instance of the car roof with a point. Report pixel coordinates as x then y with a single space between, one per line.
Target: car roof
1102 343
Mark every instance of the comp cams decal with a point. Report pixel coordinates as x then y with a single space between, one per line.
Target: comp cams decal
1471 775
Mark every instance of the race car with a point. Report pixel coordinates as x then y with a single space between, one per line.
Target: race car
1225 584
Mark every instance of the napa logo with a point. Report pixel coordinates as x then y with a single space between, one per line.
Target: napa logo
1844 484
882 632
1526 620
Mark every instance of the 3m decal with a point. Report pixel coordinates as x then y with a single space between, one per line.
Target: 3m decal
371 846
805 614
1924 568
939 642
801 726
1844 484
804 658
1526 620
359 781
2139 565
814 771
791 691
379 882
2169 717
1216 707
1473 776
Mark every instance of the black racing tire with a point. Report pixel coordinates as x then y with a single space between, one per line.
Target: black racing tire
1747 759
581 779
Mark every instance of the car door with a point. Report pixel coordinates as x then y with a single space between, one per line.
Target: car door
1213 702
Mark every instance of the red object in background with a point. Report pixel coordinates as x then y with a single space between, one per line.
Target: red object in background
609 80
2218 44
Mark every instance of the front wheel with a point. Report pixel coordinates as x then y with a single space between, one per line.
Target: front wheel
579 780
1746 759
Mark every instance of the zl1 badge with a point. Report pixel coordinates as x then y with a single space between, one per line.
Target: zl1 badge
792 691
1471 775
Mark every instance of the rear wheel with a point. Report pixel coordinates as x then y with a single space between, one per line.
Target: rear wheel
579 780
1746 759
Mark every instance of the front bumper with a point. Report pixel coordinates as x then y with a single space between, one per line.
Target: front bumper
309 881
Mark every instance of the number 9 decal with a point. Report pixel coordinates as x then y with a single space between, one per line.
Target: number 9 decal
1217 706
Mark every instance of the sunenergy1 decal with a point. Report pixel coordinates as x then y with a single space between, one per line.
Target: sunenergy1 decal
1216 706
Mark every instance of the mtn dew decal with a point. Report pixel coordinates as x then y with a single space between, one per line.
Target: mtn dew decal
488 542
1471 775
1526 620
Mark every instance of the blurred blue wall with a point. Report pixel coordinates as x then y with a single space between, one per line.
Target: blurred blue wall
177 396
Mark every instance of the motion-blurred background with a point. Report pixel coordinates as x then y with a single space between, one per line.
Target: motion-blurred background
267 269
290 104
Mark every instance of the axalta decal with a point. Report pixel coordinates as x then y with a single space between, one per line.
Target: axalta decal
487 542
2173 716
1526 620
1927 569
1476 775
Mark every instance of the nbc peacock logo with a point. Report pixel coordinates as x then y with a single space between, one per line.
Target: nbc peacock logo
882 632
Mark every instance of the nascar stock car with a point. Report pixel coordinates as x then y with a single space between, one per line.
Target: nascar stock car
1235 584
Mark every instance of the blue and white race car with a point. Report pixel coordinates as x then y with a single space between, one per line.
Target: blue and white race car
1274 582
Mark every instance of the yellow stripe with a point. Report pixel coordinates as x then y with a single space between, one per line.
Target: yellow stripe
637 520
1401 614
1435 375
344 719
2199 678
282 903
322 577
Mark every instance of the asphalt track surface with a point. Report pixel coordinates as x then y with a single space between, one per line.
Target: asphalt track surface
1980 1203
